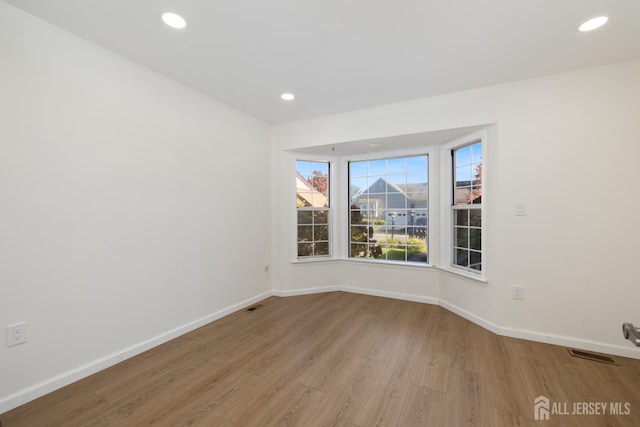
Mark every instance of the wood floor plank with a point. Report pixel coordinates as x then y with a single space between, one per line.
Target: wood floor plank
498 374
340 407
423 407
380 339
325 371
340 359
200 406
386 396
465 403
84 405
293 407
432 366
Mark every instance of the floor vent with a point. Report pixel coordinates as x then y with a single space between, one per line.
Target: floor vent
255 307
592 356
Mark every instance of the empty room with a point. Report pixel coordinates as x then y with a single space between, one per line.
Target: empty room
306 213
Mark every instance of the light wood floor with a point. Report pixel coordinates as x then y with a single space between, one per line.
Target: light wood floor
340 359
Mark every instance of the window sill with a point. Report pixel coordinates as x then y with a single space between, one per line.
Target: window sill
314 261
378 263
384 263
465 274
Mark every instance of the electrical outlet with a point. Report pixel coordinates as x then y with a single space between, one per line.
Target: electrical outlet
16 334
518 292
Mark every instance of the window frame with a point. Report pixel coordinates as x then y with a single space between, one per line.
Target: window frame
329 210
440 187
448 207
432 214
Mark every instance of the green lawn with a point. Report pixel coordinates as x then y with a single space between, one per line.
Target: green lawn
394 254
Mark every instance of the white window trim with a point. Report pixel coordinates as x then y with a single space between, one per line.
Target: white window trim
440 237
432 153
331 211
446 188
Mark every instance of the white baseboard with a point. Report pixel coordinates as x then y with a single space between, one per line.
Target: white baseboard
490 326
37 390
354 290
564 341
572 342
308 291
386 294
40 389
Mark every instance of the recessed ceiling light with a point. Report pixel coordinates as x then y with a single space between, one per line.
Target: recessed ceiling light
594 23
173 20
288 96
376 144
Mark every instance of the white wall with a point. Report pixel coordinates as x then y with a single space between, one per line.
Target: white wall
131 207
567 146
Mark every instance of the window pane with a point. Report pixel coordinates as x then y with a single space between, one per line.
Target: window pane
420 213
463 156
475 217
475 260
359 233
376 184
462 195
358 250
467 190
396 201
463 176
399 233
312 184
396 183
312 201
321 217
461 217
374 251
322 168
475 238
303 168
320 232
461 257
415 219
396 254
358 169
476 171
461 237
391 210
305 233
377 167
305 217
417 164
417 178
416 254
305 249
476 156
474 196
419 232
321 248
357 185
397 166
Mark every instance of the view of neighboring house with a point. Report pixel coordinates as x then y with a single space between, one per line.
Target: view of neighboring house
307 195
400 204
